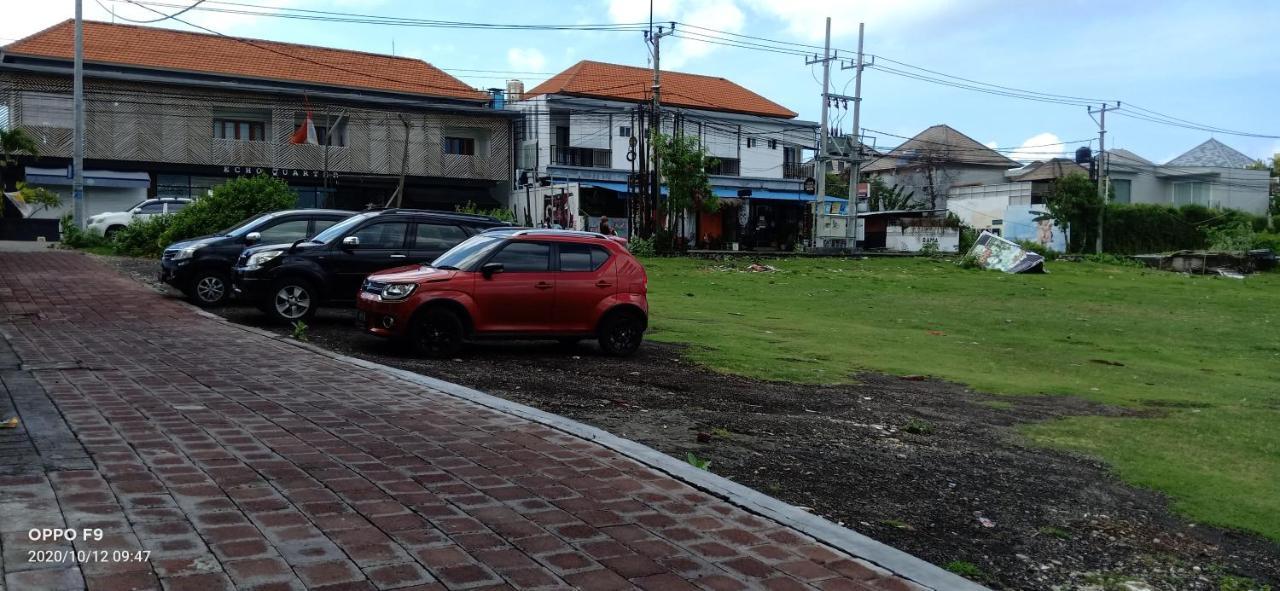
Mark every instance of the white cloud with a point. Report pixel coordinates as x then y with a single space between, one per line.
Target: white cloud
806 19
526 59
723 15
1041 146
993 145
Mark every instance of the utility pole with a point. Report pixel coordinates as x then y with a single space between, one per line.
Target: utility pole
820 159
655 116
851 208
1100 164
77 137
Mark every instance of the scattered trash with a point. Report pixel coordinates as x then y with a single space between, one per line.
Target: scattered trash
704 437
758 268
986 522
10 424
937 333
1106 362
997 254
1204 262
1228 273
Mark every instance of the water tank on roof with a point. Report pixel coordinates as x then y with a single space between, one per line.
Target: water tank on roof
1084 155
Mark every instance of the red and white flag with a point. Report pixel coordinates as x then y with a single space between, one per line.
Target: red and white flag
306 133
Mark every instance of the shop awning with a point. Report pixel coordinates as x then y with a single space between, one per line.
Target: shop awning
92 178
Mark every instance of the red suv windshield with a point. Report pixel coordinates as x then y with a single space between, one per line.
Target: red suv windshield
465 255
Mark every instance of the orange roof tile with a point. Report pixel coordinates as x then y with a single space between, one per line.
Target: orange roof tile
629 83
166 49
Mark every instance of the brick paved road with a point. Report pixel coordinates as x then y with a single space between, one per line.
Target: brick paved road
240 461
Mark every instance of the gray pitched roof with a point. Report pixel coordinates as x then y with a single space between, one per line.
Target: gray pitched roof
944 143
1212 153
1050 170
1125 157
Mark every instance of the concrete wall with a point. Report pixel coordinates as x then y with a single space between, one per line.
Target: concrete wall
915 179
96 200
174 124
1229 188
913 238
980 206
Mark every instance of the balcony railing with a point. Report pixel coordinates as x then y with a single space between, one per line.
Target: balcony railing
793 170
587 157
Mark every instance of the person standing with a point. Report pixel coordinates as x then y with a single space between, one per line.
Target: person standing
605 227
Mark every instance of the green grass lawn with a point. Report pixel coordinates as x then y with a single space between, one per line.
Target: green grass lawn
1203 351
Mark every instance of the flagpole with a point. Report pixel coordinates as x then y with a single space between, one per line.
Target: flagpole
328 139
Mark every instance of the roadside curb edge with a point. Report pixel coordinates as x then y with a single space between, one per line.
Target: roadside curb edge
858 545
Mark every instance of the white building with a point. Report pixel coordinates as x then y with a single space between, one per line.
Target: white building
579 152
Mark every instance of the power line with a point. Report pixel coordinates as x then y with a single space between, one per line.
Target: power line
154 20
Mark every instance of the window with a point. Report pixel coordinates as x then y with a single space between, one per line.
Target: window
286 231
46 109
151 207
383 235
624 131
1191 192
438 236
1121 191
724 166
751 142
239 129
524 257
330 129
322 225
176 206
460 145
773 144
581 257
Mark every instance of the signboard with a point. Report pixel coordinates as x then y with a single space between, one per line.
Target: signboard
810 186
996 253
292 173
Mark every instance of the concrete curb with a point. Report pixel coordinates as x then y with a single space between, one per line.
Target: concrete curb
891 559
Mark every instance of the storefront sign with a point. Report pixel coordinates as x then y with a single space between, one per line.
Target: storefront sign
292 173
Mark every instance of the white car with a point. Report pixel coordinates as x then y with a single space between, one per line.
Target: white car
108 223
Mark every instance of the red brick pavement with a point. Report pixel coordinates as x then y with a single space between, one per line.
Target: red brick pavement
243 462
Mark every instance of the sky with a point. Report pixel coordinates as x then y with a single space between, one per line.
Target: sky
1214 64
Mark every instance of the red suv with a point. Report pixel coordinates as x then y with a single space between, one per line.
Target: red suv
518 283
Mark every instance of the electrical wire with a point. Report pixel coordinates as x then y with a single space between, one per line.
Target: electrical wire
154 20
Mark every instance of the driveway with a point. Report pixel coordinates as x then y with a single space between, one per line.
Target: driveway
179 451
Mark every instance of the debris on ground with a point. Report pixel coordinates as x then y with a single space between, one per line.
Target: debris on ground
10 424
759 268
997 254
1207 262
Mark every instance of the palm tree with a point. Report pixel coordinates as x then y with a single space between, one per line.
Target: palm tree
12 143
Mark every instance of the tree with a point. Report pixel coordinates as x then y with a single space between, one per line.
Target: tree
12 143
684 168
1074 205
933 172
837 186
886 198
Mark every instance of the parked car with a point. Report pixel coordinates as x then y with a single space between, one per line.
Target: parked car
108 223
290 281
553 284
201 267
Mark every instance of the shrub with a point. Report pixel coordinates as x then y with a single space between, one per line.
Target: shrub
77 238
501 213
1237 237
1267 240
143 237
1147 228
1049 254
641 247
968 235
930 249
228 204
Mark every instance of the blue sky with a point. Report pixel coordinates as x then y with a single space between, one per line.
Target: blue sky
1212 64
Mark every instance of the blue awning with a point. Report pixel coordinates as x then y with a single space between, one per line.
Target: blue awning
724 192
619 187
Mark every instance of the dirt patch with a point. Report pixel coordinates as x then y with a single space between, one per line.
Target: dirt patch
929 467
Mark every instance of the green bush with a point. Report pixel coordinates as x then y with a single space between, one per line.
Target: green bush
143 237
227 205
641 247
77 238
1049 254
1148 228
1267 240
501 213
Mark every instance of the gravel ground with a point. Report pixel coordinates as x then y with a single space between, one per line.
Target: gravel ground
929 467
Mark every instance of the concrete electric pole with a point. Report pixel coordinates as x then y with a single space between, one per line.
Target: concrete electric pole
77 136
1100 164
851 208
655 116
820 159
